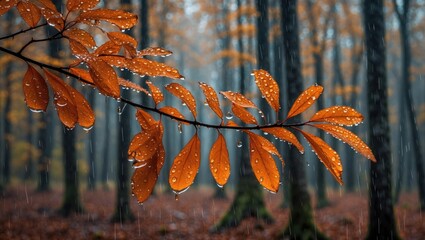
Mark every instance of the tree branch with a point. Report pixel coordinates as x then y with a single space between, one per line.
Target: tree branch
151 109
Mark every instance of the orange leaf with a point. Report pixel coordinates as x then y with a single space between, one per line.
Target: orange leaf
263 165
120 38
145 120
128 84
119 18
29 12
72 5
144 145
51 14
338 115
186 165
6 5
82 74
266 144
79 50
243 114
172 112
230 123
104 77
348 137
305 100
155 51
80 36
108 48
157 95
326 154
65 106
143 181
219 161
160 155
35 90
183 94
268 88
238 99
211 98
285 135
151 68
86 115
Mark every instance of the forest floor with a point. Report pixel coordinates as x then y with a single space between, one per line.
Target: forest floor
25 214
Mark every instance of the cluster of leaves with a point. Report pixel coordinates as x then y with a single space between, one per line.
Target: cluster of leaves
146 149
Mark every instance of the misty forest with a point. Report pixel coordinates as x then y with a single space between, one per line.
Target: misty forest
201 119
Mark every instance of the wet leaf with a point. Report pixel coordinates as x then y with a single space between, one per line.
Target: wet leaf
108 48
183 94
29 12
119 18
244 115
78 50
51 14
120 38
82 74
326 154
305 100
348 137
338 115
104 77
173 112
81 37
145 120
219 161
151 68
131 85
266 144
268 87
73 5
285 135
144 145
35 90
157 95
211 98
155 51
6 5
143 181
186 165
238 99
263 165
63 100
86 115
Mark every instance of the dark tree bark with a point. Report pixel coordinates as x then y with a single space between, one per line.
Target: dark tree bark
105 150
301 225
382 224
122 206
91 153
7 154
403 19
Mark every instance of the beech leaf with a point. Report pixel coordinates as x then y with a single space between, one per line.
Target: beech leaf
305 100
243 114
157 95
263 165
268 87
81 36
29 12
172 112
35 90
285 135
219 161
119 18
185 165
238 99
155 51
326 154
6 5
104 77
211 98
73 5
349 138
338 115
183 94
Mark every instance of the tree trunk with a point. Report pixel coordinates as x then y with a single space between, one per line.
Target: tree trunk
301 225
122 208
105 151
91 153
403 18
382 224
